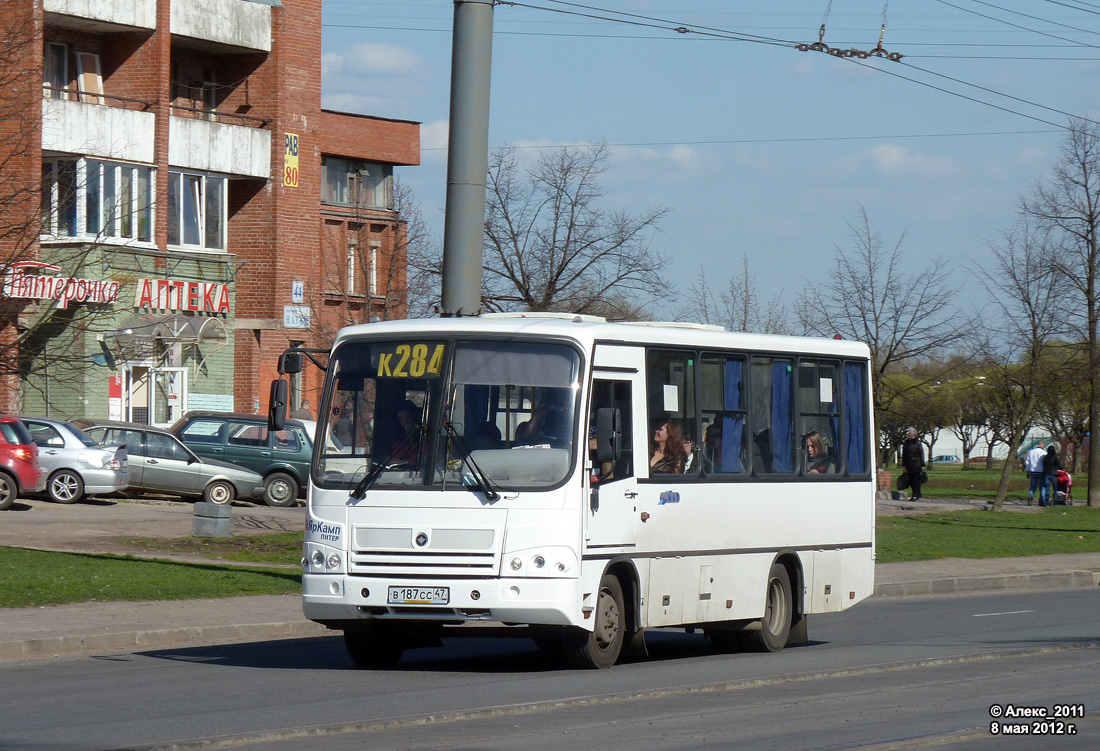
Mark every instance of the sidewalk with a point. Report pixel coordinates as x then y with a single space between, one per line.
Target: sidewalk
120 626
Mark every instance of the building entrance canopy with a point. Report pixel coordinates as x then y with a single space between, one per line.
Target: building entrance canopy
148 336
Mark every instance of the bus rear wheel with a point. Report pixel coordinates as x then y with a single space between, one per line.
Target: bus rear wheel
599 648
775 626
373 647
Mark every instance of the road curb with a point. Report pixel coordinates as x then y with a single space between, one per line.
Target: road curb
1041 580
155 638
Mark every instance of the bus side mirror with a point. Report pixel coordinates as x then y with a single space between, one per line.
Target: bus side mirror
276 405
291 362
609 435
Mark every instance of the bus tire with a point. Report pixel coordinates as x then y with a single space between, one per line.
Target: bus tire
599 648
373 648
775 626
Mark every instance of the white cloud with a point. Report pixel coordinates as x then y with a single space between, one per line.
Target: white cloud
371 58
892 159
433 140
372 78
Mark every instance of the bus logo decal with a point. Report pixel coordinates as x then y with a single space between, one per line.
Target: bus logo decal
669 496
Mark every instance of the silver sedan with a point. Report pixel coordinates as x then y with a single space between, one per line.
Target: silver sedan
159 463
75 466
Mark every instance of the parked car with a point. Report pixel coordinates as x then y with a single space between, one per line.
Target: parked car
75 466
282 457
159 463
945 459
19 469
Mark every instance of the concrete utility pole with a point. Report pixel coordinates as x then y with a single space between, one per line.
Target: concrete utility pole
467 157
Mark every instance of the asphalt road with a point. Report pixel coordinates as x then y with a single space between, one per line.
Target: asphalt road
923 670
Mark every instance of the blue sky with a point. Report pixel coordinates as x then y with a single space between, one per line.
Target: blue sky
756 148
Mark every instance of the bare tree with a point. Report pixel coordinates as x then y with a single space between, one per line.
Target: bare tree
737 307
1023 288
1067 203
1063 408
902 316
967 418
551 246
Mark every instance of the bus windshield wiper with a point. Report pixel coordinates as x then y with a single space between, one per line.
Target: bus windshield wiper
376 470
481 480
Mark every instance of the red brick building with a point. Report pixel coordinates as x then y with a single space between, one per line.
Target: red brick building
177 207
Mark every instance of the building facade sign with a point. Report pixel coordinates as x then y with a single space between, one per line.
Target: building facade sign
171 294
38 286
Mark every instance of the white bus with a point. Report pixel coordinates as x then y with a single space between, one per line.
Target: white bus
582 481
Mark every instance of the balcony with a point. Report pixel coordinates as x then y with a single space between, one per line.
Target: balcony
110 132
102 15
223 25
219 147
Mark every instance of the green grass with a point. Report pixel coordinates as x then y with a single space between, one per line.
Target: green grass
32 578
283 549
982 534
952 481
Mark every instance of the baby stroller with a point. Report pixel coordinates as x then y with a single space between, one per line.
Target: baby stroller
1063 490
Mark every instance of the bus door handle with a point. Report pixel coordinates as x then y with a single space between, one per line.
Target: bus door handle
630 494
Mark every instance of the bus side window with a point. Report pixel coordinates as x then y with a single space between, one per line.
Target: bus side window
673 430
819 413
771 415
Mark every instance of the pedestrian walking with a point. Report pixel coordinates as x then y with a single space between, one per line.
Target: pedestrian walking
1033 465
1051 465
912 460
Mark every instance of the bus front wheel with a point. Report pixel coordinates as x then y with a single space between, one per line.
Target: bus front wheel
599 648
373 647
775 626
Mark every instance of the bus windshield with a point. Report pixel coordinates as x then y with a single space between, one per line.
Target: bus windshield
449 414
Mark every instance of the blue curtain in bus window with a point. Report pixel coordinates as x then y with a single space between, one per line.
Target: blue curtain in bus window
782 427
853 419
732 430
732 425
475 406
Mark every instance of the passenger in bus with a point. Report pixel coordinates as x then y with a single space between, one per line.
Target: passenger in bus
818 461
406 449
484 435
712 448
533 430
667 454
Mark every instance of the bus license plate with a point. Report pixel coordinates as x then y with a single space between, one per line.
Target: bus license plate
418 596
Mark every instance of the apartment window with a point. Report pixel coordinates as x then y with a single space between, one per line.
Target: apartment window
356 183
55 71
373 271
92 199
89 81
209 95
353 252
196 210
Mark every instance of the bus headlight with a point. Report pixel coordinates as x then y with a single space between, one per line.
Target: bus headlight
516 564
318 558
333 560
539 561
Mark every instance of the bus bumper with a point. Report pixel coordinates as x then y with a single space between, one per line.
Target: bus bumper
339 601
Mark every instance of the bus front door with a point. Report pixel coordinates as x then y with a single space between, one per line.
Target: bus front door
613 489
